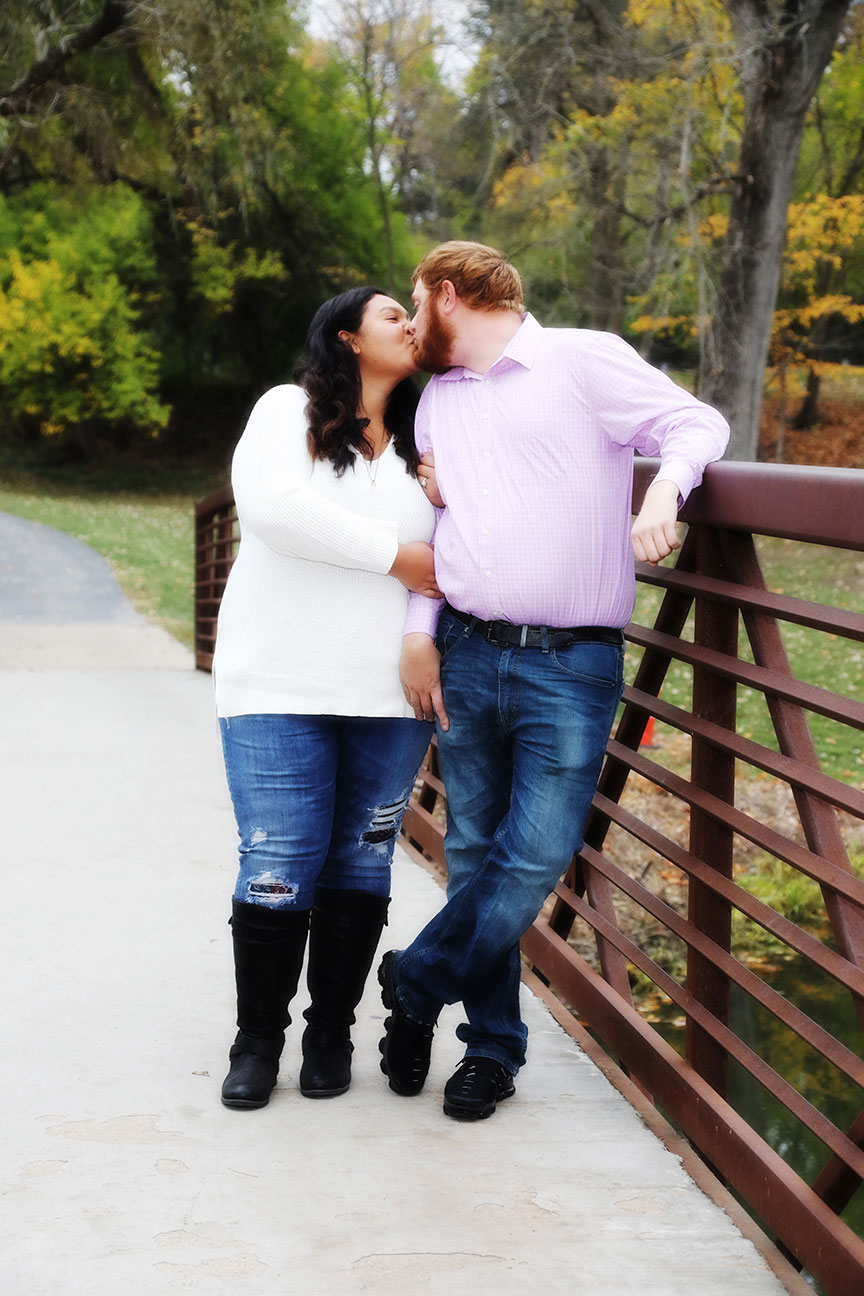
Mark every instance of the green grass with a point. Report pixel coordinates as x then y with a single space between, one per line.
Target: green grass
839 382
146 534
821 575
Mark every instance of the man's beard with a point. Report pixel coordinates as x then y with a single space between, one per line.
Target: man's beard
434 352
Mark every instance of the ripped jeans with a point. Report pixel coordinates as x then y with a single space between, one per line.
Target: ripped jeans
318 801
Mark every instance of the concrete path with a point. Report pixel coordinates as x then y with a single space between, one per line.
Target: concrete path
122 1171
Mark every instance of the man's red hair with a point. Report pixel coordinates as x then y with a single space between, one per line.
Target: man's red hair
483 277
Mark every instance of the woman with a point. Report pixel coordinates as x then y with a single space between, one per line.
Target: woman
321 749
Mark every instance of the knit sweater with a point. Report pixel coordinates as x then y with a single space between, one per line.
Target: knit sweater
310 621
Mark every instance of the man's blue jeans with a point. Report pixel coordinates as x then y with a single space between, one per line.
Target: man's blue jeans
528 730
318 801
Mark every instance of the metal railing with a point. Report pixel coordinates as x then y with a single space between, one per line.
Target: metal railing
715 588
217 535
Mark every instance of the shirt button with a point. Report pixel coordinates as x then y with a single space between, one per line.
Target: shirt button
485 530
485 492
485 416
488 573
487 454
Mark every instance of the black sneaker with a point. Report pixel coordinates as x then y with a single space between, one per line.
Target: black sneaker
475 1088
407 1045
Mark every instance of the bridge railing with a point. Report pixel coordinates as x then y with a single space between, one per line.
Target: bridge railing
660 906
217 535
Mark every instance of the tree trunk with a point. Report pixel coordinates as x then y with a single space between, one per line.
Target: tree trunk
784 50
374 144
808 414
606 281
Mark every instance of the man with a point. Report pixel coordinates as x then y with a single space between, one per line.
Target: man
532 432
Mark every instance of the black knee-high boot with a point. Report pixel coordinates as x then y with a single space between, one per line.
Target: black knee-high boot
344 933
268 958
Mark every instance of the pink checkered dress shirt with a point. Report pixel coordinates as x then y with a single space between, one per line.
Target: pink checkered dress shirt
534 461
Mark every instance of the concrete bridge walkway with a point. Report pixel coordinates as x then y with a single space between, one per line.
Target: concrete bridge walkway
122 1171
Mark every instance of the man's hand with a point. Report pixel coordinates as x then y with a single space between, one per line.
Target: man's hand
414 566
654 533
420 673
428 480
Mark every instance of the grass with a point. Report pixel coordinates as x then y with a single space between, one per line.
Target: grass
790 893
145 530
839 382
821 575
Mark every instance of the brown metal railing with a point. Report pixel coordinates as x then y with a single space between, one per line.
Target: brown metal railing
217 534
715 588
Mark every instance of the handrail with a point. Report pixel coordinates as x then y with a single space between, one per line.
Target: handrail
217 535
586 945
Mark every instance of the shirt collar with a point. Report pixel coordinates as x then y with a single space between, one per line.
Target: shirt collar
521 349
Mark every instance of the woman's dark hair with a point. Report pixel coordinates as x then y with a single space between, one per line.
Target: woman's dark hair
330 375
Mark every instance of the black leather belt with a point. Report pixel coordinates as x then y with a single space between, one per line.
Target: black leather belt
508 635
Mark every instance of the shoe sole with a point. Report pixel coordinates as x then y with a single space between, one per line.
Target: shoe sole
388 998
385 980
457 1112
245 1104
324 1093
401 1090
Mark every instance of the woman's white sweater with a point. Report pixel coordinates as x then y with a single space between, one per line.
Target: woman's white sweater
310 622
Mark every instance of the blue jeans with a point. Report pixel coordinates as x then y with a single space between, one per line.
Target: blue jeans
528 731
318 801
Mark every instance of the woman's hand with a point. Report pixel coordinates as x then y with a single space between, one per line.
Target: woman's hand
415 568
428 480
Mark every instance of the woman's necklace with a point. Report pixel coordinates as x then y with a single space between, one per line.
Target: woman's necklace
373 466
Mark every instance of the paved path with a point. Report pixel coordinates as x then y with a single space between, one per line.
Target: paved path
61 606
122 1171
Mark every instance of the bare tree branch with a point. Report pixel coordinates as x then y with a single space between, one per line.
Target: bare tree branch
716 184
18 101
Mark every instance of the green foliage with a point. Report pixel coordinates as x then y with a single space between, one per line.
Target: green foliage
789 893
218 269
834 577
75 272
216 191
616 138
832 158
260 171
786 890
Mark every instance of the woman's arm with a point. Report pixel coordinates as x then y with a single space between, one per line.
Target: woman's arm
276 503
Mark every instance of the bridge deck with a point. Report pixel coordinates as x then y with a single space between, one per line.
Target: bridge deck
123 1169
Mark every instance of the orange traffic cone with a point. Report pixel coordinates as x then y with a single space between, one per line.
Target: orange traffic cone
648 733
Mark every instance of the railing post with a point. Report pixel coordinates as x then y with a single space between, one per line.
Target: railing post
714 698
215 539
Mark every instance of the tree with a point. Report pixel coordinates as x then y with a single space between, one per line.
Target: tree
75 350
389 52
783 50
541 64
822 231
831 168
219 116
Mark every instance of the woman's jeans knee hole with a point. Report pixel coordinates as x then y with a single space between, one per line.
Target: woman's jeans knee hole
318 800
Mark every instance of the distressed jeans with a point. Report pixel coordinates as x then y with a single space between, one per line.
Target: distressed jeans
318 801
520 761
